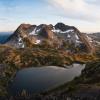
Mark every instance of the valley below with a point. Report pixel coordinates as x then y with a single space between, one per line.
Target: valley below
14 60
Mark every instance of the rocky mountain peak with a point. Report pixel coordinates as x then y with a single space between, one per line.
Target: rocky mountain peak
60 32
46 31
63 27
60 26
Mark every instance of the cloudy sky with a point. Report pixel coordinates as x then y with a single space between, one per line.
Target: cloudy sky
84 14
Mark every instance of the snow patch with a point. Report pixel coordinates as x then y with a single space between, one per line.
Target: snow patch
78 41
19 39
37 41
33 32
56 30
68 36
23 46
76 37
20 42
59 31
71 30
38 30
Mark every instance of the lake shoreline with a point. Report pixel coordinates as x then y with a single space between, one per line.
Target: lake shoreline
51 74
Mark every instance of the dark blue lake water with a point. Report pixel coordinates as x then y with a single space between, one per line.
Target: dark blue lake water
34 80
4 36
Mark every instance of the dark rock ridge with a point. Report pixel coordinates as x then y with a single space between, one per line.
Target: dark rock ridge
63 27
58 34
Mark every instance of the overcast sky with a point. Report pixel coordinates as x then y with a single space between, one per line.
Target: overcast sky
84 14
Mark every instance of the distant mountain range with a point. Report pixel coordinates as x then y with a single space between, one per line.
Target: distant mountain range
95 36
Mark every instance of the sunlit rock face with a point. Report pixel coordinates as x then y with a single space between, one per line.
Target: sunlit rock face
57 34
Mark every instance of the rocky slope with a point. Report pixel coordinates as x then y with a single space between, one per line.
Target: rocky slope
56 36
12 60
84 87
41 56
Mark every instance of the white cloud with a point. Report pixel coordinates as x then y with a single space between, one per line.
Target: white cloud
76 9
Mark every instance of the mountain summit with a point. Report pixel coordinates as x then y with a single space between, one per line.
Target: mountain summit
56 36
